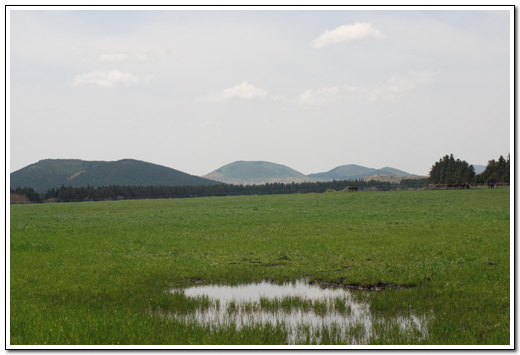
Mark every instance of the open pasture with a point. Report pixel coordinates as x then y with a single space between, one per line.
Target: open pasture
103 272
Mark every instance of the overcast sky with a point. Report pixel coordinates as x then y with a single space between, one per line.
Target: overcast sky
311 89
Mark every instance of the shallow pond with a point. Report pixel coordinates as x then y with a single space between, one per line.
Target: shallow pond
307 313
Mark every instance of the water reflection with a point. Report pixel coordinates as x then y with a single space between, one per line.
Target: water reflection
307 313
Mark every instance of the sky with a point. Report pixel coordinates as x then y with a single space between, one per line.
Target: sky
312 88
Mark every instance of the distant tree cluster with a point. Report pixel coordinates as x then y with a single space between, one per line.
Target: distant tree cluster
496 171
450 171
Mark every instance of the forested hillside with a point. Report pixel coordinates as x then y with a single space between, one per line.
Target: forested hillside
53 173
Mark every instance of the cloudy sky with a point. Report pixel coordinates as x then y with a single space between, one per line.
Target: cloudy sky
310 88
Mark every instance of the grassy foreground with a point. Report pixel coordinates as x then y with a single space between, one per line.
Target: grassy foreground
94 273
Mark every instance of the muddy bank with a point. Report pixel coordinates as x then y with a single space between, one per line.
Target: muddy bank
357 286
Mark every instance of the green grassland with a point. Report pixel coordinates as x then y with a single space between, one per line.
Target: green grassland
95 272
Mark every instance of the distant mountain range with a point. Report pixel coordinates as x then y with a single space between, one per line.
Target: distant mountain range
261 172
352 171
53 173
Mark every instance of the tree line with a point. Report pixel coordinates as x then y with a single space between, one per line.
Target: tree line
118 192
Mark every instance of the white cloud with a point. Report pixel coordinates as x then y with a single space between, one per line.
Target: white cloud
106 79
389 91
346 33
244 91
119 57
320 96
397 85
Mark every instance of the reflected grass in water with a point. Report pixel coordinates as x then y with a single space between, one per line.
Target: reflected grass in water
307 314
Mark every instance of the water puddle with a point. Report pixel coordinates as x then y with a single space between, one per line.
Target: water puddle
307 314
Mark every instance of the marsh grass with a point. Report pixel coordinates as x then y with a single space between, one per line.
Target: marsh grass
320 307
341 306
94 273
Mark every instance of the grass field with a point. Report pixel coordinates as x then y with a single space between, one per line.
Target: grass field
100 272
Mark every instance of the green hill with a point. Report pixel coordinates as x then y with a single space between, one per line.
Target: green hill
391 171
255 172
352 171
50 173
